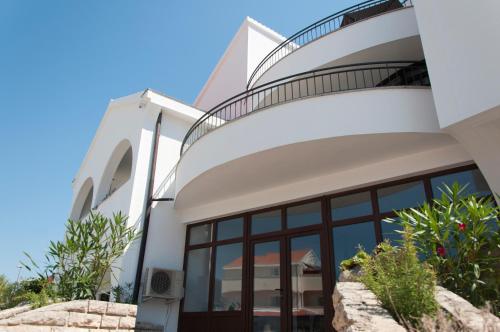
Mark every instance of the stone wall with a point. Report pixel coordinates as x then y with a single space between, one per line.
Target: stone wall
80 315
358 309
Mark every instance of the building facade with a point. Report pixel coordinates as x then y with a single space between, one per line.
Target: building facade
291 156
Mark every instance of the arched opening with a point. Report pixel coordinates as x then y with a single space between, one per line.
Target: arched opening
83 202
122 172
118 170
87 204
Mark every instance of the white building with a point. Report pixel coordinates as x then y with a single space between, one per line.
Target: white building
366 111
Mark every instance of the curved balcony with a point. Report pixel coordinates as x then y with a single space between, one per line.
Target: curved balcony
323 27
345 118
308 84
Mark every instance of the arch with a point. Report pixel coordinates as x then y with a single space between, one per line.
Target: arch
118 170
83 202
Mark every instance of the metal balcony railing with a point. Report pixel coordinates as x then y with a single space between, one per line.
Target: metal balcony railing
324 27
308 84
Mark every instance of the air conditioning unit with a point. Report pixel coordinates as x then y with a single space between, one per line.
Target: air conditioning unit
164 284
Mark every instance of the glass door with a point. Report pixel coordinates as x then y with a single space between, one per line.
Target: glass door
267 262
287 284
306 284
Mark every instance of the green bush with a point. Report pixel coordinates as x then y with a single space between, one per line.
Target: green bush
459 237
403 284
359 259
36 291
80 262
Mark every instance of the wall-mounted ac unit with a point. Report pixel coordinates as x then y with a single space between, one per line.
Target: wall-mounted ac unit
164 284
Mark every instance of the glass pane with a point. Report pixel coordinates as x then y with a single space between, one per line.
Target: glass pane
475 180
227 285
229 229
266 285
304 215
401 196
200 234
266 222
389 232
307 284
351 206
197 279
347 239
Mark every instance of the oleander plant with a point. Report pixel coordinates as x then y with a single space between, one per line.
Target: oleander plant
458 236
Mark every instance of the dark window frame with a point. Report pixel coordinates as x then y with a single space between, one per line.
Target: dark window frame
324 229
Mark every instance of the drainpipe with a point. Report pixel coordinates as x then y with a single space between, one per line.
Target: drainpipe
149 202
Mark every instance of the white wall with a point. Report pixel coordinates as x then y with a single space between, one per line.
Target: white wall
166 236
480 136
462 49
249 45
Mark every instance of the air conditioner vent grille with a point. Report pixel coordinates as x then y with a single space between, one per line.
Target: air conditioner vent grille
160 282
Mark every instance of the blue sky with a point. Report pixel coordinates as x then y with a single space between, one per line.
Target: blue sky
61 62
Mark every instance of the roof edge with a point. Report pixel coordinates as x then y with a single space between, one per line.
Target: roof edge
247 22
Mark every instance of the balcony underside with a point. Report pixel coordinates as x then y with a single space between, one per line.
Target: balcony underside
307 138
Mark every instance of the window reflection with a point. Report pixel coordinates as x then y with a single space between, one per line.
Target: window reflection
350 206
476 183
347 239
401 196
389 231
197 279
200 234
229 229
228 272
307 284
266 222
266 285
304 215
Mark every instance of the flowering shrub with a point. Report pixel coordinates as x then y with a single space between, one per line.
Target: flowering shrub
459 236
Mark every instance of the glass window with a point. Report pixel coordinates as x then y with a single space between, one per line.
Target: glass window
350 206
197 280
266 222
304 215
229 229
347 239
200 234
307 283
389 231
401 196
475 180
227 284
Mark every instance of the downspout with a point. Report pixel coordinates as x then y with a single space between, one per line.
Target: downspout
147 216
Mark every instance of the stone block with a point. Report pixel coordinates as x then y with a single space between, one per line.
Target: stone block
357 309
132 310
110 322
76 306
4 314
463 312
46 318
82 320
117 309
127 323
97 307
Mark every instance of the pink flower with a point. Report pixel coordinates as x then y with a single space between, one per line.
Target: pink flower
461 227
441 251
